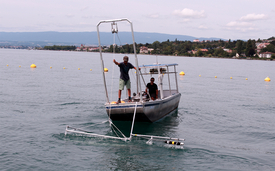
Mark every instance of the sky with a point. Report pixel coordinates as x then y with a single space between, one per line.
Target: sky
227 19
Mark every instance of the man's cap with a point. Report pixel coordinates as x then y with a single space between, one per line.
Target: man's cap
125 58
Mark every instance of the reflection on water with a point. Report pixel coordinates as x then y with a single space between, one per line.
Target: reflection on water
181 77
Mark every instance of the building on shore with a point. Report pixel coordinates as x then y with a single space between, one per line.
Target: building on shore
145 50
266 55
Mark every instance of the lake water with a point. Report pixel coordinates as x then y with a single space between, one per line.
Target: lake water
228 123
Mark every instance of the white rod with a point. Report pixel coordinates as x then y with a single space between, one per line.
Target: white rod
176 79
159 79
133 122
96 135
169 81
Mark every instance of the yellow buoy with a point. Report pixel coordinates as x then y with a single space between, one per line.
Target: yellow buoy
199 75
215 76
90 69
246 79
230 77
64 68
182 73
51 67
267 79
33 66
19 66
105 69
78 68
7 64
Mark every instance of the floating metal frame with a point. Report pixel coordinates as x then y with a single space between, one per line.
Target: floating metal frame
151 137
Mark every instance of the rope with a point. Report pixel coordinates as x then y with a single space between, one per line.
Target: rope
142 78
120 42
114 126
92 125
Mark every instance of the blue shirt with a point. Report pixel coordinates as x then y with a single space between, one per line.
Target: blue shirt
124 70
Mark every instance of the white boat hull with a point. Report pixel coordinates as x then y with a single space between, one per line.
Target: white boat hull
147 111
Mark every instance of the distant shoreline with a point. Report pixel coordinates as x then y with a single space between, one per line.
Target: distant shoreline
260 59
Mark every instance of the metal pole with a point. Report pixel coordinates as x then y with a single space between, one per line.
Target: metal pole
134 46
176 78
102 64
169 81
161 95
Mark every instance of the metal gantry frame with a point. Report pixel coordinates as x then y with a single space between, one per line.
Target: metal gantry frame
115 30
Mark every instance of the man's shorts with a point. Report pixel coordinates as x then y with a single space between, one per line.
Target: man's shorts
122 83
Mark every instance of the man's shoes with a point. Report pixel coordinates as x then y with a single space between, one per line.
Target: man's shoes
119 101
130 99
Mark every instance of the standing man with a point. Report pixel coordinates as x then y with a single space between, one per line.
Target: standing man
124 80
153 89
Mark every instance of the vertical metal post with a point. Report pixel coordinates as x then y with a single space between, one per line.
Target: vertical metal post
169 81
176 78
161 95
137 72
102 63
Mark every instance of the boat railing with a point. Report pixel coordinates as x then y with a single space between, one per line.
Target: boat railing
149 73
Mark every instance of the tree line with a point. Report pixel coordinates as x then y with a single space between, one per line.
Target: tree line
214 48
57 47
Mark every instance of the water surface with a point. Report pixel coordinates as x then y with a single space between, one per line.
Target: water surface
228 123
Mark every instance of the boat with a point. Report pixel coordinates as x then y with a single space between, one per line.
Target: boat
147 110
141 108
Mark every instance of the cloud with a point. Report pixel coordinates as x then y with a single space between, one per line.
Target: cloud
245 23
87 16
185 20
202 27
240 26
69 15
253 17
154 16
189 13
84 8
